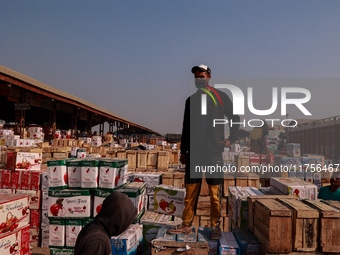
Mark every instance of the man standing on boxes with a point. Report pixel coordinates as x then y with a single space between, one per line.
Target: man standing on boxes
202 146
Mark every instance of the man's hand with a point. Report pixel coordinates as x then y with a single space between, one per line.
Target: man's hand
226 143
183 158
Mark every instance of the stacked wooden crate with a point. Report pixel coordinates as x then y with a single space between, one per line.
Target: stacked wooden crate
55 153
286 225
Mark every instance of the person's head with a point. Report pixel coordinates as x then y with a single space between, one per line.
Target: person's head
335 179
202 74
116 214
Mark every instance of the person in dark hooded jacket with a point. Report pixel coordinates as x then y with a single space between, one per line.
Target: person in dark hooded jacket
115 216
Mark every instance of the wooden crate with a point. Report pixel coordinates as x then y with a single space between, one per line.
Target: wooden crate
163 160
241 181
152 159
168 178
329 226
229 181
142 159
121 154
132 159
46 155
175 157
226 224
43 144
305 225
273 226
179 179
251 206
60 155
80 143
253 180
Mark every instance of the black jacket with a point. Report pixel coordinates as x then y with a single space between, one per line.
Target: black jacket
202 134
115 216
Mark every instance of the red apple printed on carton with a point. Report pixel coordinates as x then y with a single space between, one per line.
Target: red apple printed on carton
99 207
14 247
167 207
10 224
57 209
65 178
25 211
118 177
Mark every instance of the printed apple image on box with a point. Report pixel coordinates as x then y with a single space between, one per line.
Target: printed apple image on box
75 204
169 200
73 227
136 192
112 173
99 197
74 173
57 174
11 243
34 237
57 234
89 173
14 212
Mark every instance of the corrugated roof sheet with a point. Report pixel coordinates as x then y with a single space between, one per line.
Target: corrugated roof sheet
58 92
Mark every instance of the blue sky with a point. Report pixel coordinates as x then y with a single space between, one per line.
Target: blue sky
134 57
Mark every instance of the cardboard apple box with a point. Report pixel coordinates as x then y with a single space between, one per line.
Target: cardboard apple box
74 173
14 212
57 234
74 204
112 173
73 227
57 174
169 200
29 161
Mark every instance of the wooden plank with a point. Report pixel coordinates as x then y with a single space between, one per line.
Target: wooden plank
142 157
132 159
273 225
121 154
275 208
179 180
163 160
241 181
229 181
329 226
253 180
167 178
